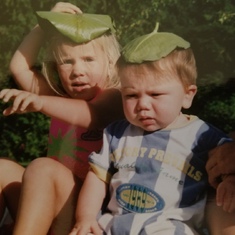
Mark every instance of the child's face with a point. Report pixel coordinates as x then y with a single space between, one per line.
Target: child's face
83 71
152 104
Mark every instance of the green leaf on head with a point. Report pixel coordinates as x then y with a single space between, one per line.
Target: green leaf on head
152 46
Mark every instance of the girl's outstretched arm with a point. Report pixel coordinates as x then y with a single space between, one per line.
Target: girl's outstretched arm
106 108
95 114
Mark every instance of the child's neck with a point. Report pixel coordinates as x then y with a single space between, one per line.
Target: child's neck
180 120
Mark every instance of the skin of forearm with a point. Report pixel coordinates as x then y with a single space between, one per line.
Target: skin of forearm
72 111
23 61
91 197
92 115
26 54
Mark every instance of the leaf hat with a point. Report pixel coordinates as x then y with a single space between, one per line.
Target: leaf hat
80 28
153 46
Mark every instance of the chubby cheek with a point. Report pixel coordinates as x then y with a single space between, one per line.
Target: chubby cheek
63 72
167 116
64 77
66 86
129 110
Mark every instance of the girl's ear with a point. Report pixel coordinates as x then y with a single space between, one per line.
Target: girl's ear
189 95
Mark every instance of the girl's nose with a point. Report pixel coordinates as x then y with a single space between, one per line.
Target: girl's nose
78 70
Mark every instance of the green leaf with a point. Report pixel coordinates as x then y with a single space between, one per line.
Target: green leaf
80 28
153 46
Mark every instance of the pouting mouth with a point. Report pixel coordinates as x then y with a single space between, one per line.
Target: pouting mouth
144 118
78 84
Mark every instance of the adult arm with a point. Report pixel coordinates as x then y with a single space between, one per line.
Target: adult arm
218 221
225 193
221 162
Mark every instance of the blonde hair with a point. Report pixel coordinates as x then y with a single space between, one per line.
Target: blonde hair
108 44
179 64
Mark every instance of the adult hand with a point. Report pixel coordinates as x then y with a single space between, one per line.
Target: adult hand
221 162
225 194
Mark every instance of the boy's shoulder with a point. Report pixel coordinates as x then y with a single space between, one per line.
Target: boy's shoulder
123 123
117 127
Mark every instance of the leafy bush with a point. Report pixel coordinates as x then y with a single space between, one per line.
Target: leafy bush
216 104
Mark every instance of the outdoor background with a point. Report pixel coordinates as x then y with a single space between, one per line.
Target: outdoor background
209 25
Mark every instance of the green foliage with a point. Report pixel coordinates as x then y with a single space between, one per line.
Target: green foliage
23 137
216 104
209 25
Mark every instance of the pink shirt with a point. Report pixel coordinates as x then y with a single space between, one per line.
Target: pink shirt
71 145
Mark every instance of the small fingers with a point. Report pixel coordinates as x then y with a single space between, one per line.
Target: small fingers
23 101
86 230
2 93
19 101
96 229
8 111
66 8
8 94
80 231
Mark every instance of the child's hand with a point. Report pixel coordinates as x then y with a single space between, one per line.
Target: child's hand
225 194
66 8
86 227
23 101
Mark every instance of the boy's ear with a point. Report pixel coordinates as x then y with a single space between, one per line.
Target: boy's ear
189 95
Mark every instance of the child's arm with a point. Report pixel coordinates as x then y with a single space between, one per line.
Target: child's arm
89 204
97 114
22 65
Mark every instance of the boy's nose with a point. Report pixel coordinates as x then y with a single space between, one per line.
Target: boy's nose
143 104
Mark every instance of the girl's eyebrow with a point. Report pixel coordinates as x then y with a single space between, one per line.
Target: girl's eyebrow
89 55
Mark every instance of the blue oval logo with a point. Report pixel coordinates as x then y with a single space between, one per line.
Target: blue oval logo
139 199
